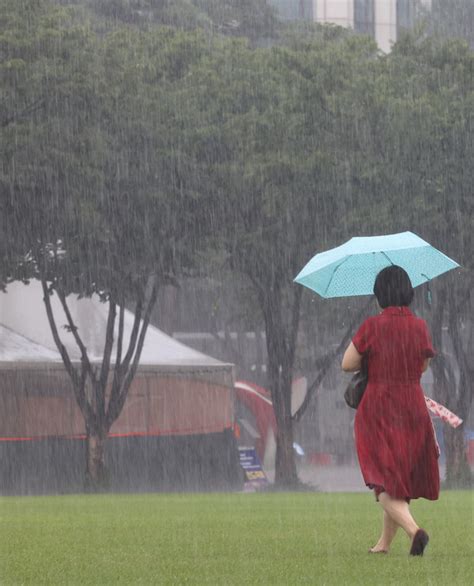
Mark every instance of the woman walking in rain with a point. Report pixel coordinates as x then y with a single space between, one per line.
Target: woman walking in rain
395 441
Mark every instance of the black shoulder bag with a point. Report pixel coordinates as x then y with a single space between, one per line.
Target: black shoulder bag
356 387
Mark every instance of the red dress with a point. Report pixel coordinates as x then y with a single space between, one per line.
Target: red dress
395 440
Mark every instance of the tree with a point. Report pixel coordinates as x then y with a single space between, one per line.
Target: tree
268 140
94 193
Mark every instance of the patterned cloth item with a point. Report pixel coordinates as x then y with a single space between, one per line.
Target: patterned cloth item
443 413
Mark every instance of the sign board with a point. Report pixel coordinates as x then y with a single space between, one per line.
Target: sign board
255 477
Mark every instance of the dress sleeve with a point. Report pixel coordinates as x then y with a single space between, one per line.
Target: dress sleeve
361 338
427 346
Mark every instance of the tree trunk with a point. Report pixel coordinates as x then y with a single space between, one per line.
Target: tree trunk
458 472
285 466
281 341
456 395
97 477
280 376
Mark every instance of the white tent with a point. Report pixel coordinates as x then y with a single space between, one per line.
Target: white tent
25 333
176 389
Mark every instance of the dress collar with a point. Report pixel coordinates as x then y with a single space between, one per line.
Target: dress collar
394 310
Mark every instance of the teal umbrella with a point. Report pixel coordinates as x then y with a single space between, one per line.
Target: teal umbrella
350 269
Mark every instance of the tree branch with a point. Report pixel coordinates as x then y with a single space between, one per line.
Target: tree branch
119 394
107 354
327 360
78 381
33 107
120 366
77 338
118 356
294 324
133 336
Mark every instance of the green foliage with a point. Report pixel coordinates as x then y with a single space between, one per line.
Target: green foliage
41 82
254 19
268 138
410 129
91 163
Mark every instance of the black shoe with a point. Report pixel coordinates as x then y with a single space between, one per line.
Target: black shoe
420 541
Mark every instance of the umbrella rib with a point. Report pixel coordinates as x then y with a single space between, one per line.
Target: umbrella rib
343 261
335 271
387 257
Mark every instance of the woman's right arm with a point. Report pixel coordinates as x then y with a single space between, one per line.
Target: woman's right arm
352 360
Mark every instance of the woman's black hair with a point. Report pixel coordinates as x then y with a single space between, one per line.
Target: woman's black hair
393 287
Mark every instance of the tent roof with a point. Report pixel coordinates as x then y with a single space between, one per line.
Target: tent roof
16 348
25 333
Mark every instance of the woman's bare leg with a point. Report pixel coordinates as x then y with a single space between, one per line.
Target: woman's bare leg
399 512
389 531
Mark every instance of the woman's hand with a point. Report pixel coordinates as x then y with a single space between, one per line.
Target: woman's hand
352 360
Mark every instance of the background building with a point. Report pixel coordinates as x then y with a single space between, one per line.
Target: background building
381 19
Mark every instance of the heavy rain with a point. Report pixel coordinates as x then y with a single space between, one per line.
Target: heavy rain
189 191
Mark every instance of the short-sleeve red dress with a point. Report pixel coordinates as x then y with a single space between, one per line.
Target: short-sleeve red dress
395 440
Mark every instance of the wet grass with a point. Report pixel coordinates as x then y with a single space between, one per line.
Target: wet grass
244 539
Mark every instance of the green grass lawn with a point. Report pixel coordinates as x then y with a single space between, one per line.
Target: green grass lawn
277 538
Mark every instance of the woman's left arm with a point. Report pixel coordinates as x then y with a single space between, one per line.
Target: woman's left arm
426 363
352 360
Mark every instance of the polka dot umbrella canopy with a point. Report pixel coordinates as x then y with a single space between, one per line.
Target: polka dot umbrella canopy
350 269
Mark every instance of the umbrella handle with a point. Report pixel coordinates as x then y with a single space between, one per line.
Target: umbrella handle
429 296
